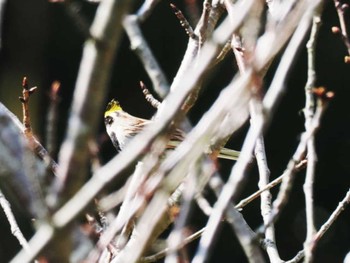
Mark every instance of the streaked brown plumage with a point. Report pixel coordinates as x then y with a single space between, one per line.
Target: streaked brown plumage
122 127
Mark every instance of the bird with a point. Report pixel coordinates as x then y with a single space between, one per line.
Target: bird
122 127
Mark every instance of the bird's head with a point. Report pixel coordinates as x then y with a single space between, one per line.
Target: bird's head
112 107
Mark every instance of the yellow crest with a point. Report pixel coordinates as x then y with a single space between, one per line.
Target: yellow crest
112 106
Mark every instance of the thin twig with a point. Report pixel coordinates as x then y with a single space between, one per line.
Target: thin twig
161 254
33 142
311 151
51 118
324 228
264 174
183 22
15 230
203 23
26 92
278 180
224 51
149 97
341 9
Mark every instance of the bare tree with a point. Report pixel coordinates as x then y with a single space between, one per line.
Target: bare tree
139 206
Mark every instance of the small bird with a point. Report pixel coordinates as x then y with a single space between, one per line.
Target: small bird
122 127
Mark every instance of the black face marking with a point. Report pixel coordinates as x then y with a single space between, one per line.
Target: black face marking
108 120
115 141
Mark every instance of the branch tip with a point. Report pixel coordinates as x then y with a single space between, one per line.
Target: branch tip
347 59
344 7
25 83
183 22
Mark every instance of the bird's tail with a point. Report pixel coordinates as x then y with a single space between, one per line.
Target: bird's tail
228 154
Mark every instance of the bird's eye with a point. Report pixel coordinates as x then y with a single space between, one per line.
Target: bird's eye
108 120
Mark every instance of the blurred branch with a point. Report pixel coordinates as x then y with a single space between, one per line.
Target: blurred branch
98 56
146 9
94 72
176 236
162 254
51 117
246 237
141 48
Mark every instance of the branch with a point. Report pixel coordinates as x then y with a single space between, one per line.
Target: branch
15 230
311 151
149 97
341 9
141 48
183 22
146 9
52 117
297 167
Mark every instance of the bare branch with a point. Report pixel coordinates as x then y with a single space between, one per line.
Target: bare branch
341 9
15 230
311 150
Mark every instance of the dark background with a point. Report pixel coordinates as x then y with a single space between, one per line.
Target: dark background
41 41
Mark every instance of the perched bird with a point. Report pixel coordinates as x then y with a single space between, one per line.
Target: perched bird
122 127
